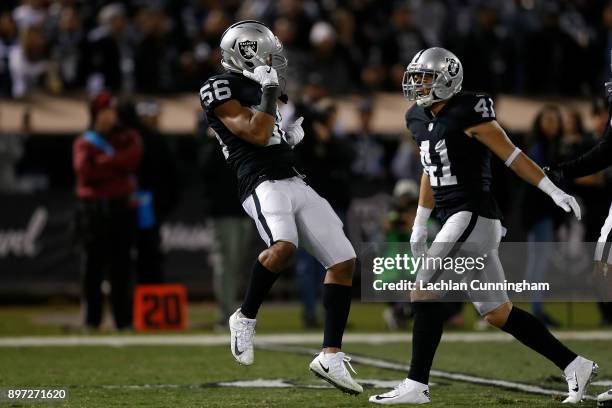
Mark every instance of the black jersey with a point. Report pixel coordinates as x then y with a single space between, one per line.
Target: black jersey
253 164
596 159
458 166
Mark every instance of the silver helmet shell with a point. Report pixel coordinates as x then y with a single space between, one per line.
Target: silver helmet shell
249 44
436 69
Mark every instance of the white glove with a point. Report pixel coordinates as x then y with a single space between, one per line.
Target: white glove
418 238
265 75
295 133
560 197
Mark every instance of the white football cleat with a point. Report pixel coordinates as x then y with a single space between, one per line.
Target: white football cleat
242 331
578 375
330 367
406 392
604 400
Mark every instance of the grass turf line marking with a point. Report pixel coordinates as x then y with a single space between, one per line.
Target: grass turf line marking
280 338
256 383
393 366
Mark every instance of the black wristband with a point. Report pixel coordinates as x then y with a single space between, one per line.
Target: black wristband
268 100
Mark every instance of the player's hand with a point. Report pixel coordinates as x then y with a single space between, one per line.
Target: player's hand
295 133
566 201
553 173
265 75
418 240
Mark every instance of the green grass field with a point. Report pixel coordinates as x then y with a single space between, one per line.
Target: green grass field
190 376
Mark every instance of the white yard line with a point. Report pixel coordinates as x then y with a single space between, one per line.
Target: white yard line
472 379
281 338
256 383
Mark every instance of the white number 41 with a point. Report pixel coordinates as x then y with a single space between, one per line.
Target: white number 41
484 108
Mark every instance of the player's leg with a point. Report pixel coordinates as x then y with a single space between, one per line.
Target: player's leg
602 268
271 208
429 317
530 331
321 234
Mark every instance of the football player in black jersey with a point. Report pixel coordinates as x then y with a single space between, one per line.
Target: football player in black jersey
456 133
241 106
596 159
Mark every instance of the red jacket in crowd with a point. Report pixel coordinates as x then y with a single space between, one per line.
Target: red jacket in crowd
104 176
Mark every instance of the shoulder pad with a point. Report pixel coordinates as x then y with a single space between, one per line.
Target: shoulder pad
217 90
470 109
415 112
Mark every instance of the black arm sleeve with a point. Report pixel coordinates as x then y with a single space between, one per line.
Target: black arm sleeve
596 159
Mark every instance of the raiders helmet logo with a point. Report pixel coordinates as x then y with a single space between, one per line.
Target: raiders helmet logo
248 49
453 67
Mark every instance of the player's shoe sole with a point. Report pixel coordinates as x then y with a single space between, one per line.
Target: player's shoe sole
335 384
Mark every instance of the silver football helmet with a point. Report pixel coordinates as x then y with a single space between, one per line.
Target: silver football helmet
433 75
249 44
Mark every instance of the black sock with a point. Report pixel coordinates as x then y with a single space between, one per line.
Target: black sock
337 303
426 334
532 333
260 284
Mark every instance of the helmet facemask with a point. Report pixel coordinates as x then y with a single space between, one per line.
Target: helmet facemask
420 85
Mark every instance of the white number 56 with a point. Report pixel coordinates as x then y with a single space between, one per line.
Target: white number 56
220 89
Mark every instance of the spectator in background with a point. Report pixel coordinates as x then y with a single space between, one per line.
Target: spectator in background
296 73
28 61
329 59
201 61
560 59
295 11
108 58
8 37
105 160
406 164
232 228
486 52
153 54
398 227
158 188
431 17
369 168
29 13
326 160
540 215
403 40
67 48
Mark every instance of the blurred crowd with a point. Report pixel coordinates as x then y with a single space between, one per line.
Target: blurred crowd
334 47
159 46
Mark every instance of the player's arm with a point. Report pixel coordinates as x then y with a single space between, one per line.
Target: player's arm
418 238
596 159
495 138
253 127
426 199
